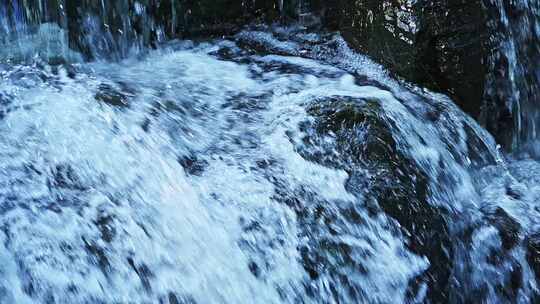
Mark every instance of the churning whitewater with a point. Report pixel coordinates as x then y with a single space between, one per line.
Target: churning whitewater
274 167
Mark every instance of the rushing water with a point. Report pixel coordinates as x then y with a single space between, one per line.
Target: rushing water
275 166
515 65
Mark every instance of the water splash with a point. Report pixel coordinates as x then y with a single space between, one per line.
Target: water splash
276 166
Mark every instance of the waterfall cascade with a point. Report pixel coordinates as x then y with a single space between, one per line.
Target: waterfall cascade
515 64
270 164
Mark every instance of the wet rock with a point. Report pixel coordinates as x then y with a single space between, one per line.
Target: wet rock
533 253
508 227
334 258
424 42
515 282
5 101
112 96
478 149
71 70
460 47
192 165
227 53
362 138
105 224
329 261
383 29
516 190
266 43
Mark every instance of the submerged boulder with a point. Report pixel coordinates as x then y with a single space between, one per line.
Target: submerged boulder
354 135
112 96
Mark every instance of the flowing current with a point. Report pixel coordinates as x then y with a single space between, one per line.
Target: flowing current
276 166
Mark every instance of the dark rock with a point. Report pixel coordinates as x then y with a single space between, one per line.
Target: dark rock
5 101
71 70
533 253
192 165
105 224
516 280
436 43
363 139
112 96
384 29
329 261
478 149
509 228
515 191
458 47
